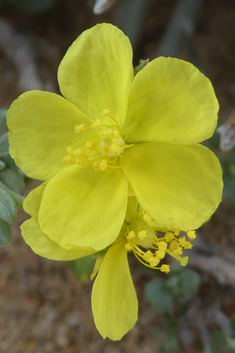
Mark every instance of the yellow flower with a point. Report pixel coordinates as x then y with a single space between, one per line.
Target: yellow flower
114 300
111 136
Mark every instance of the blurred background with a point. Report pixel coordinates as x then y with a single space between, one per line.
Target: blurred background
45 305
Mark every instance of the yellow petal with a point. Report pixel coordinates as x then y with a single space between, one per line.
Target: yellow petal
179 186
85 208
114 301
44 246
41 127
96 72
171 101
38 241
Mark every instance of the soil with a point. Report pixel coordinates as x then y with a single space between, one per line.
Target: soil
43 307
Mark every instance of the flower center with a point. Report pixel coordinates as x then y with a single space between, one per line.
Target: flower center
102 148
150 245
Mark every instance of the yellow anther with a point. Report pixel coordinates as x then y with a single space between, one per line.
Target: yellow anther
177 232
165 268
97 123
188 245
79 128
184 243
105 150
162 245
115 149
148 255
184 261
69 160
106 132
103 165
191 234
169 236
115 134
78 152
174 245
160 253
153 261
69 149
178 251
147 218
90 145
142 234
105 112
131 235
128 247
96 165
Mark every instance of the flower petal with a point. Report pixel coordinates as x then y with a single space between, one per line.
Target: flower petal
179 186
38 241
44 246
96 72
171 101
114 300
85 208
41 127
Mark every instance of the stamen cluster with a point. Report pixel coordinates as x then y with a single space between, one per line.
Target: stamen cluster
150 245
101 149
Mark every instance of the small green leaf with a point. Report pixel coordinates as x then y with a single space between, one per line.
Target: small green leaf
4 145
184 283
16 197
222 343
167 341
5 233
8 210
232 322
13 180
2 165
158 294
3 125
82 268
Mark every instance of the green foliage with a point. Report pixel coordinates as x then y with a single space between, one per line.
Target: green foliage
184 283
232 322
11 185
167 342
158 294
221 343
82 268
3 125
8 210
5 233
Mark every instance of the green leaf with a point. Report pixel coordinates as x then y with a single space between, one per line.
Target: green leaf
3 124
16 197
8 210
222 343
158 294
167 341
5 233
82 268
184 283
4 145
13 180
232 322
2 165
33 5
